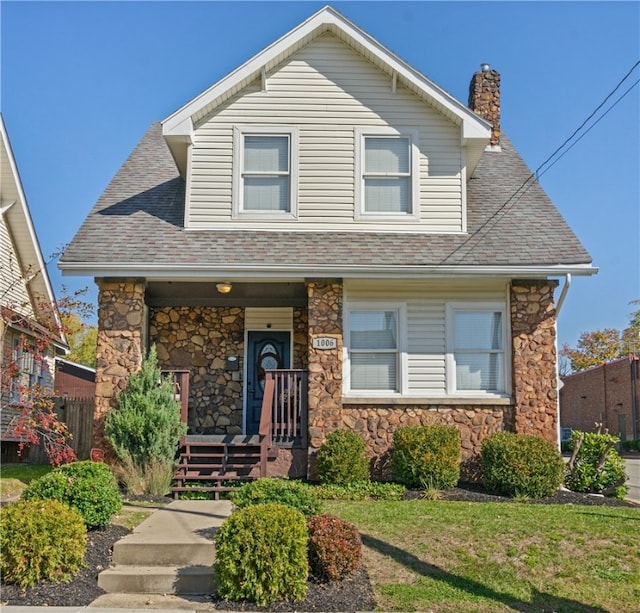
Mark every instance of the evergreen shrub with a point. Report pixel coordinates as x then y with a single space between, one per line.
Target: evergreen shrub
88 487
342 458
427 456
145 428
261 555
40 540
335 547
588 475
294 494
521 465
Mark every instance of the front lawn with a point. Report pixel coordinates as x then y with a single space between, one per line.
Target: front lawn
14 478
445 556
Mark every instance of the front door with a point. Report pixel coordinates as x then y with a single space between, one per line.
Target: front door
266 350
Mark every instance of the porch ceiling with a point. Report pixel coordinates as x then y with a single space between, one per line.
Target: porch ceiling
183 293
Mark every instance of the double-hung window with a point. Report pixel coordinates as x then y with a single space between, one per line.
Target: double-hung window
374 349
265 171
387 174
476 348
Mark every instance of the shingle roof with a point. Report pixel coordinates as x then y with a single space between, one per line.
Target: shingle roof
138 220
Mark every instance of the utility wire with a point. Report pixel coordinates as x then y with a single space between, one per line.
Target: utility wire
613 91
593 125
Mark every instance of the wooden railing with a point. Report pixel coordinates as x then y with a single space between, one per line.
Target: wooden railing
283 419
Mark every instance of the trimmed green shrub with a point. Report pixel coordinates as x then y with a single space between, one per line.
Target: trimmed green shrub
145 427
521 465
632 445
590 472
89 487
40 540
426 456
343 458
362 490
295 494
335 547
261 555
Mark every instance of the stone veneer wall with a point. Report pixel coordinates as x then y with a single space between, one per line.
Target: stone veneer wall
325 366
199 339
533 333
120 347
377 423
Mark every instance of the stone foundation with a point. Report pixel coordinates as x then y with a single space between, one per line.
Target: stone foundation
376 424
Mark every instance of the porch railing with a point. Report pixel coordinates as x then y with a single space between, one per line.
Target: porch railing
283 419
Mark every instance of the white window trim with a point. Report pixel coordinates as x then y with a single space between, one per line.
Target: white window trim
450 366
359 213
402 379
239 132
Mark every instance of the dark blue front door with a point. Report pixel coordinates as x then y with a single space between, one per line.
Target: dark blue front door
265 351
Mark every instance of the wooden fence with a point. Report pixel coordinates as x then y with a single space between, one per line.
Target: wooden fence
77 413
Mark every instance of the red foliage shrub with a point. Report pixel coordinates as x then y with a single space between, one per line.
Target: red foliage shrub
335 547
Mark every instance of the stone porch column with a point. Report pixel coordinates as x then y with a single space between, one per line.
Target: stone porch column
533 317
121 334
325 365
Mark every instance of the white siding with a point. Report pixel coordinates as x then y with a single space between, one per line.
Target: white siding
426 305
258 318
327 90
13 288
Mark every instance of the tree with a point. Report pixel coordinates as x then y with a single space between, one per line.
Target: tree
600 346
81 336
594 348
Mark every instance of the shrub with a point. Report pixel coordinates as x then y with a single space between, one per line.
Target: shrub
597 466
145 427
295 494
40 540
261 554
362 490
632 445
89 487
521 465
427 456
343 458
335 547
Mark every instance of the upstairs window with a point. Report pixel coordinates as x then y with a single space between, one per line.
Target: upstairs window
476 349
264 171
387 168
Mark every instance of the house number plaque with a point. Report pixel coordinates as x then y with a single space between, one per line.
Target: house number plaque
325 342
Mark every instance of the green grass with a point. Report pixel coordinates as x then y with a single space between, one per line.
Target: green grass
14 478
444 556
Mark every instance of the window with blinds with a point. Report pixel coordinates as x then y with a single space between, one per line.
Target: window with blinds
478 350
373 350
387 174
266 172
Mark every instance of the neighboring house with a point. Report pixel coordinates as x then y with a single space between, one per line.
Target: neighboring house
327 211
606 394
30 330
74 380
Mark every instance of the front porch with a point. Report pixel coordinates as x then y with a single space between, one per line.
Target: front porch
210 462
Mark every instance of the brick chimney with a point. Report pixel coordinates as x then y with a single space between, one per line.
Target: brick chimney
484 99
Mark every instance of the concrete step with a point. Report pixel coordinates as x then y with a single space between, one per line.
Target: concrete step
143 552
157 580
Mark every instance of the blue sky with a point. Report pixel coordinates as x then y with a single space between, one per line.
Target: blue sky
82 81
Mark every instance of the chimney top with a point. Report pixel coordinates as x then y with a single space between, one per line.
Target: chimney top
484 99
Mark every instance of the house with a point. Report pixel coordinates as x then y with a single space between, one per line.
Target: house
327 239
73 380
608 394
30 330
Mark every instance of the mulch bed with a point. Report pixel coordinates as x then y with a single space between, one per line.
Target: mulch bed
353 594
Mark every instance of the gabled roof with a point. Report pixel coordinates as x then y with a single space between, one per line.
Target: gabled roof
136 229
178 127
15 214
